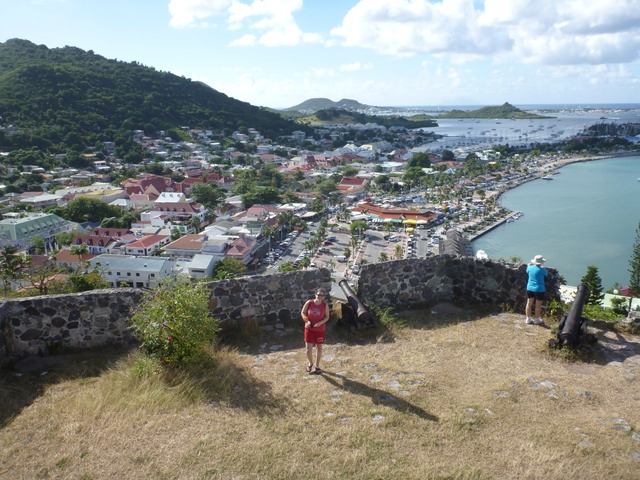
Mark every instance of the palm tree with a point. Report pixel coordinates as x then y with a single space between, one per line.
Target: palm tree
79 251
305 262
269 232
284 219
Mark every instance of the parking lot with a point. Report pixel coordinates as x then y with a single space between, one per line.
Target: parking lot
373 248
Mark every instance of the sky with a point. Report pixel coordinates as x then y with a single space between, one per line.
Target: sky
279 53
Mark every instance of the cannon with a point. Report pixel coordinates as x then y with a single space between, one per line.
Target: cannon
354 312
572 331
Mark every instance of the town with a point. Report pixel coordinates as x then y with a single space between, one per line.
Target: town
235 203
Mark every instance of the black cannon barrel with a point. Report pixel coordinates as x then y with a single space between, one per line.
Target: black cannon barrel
361 311
571 326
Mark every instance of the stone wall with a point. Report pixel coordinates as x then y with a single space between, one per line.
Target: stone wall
413 283
41 325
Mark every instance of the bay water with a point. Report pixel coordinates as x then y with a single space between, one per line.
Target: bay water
587 215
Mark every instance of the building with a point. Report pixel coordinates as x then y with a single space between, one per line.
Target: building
20 231
138 272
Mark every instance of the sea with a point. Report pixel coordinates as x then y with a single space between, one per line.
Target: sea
565 121
587 215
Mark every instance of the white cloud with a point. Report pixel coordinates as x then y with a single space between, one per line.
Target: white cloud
190 13
271 21
355 67
532 31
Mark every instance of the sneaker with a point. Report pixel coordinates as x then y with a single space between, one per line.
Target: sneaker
529 321
538 321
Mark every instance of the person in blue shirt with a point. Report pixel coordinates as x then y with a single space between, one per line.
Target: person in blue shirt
535 289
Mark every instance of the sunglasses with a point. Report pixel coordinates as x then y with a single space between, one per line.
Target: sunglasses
320 294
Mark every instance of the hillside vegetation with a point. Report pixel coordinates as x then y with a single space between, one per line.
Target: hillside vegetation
506 110
337 116
61 96
315 104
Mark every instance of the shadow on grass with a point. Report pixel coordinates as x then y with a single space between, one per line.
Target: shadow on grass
377 396
219 379
27 379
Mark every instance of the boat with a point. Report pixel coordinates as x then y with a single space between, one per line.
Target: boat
547 177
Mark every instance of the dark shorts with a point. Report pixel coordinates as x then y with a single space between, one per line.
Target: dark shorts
536 295
311 335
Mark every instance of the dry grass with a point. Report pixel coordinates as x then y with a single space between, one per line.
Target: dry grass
451 396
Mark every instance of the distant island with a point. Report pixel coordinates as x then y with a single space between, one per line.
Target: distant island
310 108
506 111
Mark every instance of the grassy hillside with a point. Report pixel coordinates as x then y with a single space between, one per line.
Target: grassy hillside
456 395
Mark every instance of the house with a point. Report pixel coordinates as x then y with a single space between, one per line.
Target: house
102 240
176 207
186 246
41 200
147 245
352 185
66 258
151 185
243 249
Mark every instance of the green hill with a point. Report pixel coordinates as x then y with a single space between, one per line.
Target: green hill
505 110
336 116
316 104
50 94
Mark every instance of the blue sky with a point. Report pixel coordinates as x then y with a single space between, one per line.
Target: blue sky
278 53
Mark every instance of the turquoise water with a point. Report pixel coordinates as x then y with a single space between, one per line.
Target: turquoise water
587 215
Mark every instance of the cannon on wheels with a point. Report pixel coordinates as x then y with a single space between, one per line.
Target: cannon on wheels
572 331
355 314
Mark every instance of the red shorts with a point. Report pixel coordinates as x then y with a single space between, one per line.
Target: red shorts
314 335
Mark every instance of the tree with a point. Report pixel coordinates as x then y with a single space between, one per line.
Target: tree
383 257
79 251
42 275
195 222
286 267
39 245
64 239
634 264
447 155
420 160
398 253
174 323
305 262
11 266
357 227
592 281
207 194
84 209
229 268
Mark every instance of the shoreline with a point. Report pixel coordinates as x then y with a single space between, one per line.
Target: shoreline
545 169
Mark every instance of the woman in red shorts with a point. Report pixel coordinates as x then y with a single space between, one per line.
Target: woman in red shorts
315 315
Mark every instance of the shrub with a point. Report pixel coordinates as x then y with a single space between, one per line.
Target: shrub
173 322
